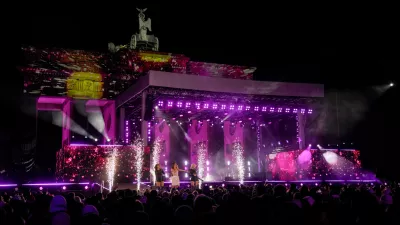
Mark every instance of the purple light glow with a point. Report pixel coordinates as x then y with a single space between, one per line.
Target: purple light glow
96 145
8 185
55 184
126 131
231 107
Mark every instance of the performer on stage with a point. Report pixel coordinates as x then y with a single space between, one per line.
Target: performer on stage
159 172
194 179
175 175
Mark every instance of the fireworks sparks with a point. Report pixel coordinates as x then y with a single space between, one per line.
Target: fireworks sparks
201 158
155 157
239 160
111 165
139 160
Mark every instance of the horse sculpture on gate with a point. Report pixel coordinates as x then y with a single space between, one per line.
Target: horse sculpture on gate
141 40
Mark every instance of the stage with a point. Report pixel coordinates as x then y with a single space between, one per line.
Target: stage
150 108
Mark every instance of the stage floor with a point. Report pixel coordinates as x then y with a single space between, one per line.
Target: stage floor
184 184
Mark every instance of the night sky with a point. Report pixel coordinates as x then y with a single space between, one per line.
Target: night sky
348 56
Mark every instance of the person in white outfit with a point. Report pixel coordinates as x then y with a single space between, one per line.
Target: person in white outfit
175 175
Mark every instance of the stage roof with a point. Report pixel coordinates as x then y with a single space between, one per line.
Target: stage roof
220 85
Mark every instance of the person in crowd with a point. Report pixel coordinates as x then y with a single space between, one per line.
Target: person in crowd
231 204
58 210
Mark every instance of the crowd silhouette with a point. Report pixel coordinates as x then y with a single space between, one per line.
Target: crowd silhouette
253 204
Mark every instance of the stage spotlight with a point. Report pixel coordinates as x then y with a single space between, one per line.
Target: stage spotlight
391 84
64 188
108 140
86 187
41 188
95 139
309 145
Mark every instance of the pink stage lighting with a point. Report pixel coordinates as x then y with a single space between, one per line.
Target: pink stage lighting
64 188
294 110
187 105
247 108
223 107
215 106
287 110
240 107
160 103
264 109
256 108
205 105
231 107
197 105
272 109
170 103
179 104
